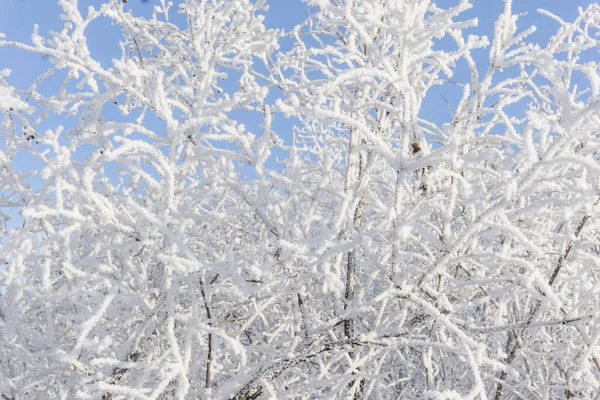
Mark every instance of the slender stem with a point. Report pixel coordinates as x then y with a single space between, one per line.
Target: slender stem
303 325
561 260
208 315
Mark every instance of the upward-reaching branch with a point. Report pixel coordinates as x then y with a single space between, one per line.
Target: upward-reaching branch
533 313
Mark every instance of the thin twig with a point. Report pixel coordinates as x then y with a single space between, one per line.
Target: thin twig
208 315
138 50
561 260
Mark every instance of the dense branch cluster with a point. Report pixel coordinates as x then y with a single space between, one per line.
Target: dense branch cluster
167 249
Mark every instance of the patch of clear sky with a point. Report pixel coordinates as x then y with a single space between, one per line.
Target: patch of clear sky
17 18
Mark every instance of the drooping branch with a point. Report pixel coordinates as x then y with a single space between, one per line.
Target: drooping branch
254 387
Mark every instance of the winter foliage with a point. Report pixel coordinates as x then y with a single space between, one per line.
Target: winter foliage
168 251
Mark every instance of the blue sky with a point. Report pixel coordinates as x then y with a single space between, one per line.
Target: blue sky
17 18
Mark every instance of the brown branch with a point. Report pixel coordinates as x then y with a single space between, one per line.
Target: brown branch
561 260
254 387
208 315
351 255
303 324
138 50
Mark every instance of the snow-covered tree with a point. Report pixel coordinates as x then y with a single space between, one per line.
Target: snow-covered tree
169 250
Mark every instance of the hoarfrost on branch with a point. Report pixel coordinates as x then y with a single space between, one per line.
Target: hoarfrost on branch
167 250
